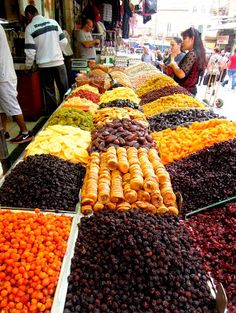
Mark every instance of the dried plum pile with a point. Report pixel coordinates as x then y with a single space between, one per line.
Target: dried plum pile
215 233
136 262
43 181
121 103
162 92
182 117
205 177
121 133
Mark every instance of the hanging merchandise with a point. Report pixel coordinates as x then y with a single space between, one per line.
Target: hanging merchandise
146 19
150 7
106 12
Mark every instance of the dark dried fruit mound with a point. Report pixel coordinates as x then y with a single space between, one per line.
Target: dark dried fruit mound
184 118
215 233
121 103
121 133
43 181
162 92
136 262
205 177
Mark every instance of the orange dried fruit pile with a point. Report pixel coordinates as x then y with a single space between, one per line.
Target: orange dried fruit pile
32 247
183 141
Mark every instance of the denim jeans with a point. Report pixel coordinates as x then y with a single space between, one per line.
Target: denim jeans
232 74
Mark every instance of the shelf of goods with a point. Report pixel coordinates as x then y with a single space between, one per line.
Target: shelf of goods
133 150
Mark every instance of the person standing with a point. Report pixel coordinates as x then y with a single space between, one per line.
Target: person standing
186 73
86 43
146 56
9 105
176 53
232 68
44 41
127 5
213 67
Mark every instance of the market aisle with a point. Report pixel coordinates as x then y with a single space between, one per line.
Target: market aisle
228 95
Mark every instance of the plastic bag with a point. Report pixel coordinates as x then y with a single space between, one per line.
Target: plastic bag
150 7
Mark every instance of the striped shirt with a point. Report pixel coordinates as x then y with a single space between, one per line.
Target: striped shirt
44 40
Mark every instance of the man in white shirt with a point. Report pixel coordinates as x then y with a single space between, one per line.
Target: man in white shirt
9 105
44 41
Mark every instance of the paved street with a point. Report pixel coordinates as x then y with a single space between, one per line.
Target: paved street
227 95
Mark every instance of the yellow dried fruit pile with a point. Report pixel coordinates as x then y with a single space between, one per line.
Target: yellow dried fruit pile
107 115
66 142
85 87
169 103
156 82
183 141
122 179
119 93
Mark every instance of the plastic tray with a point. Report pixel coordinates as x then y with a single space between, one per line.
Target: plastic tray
62 285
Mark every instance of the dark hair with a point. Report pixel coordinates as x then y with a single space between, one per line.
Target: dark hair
197 46
217 49
85 21
31 9
235 50
178 40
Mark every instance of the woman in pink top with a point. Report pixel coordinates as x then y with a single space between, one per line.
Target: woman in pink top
232 69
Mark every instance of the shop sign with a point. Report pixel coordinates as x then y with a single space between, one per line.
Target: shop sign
223 40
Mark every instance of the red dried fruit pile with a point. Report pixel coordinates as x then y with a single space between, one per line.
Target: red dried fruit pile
86 94
215 233
205 177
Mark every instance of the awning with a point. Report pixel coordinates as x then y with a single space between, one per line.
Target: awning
223 26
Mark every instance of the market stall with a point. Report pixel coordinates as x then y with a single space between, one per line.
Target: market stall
137 153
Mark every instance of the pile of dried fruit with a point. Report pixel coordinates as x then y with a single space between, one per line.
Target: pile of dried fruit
119 93
121 133
180 118
168 103
86 87
107 115
136 262
85 94
121 103
205 177
155 82
140 78
215 233
127 178
139 69
45 182
183 141
72 117
163 92
79 103
67 142
32 247
120 78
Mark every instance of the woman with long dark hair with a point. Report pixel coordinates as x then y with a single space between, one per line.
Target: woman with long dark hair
187 72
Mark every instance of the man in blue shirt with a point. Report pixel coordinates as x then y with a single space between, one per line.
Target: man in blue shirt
147 56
